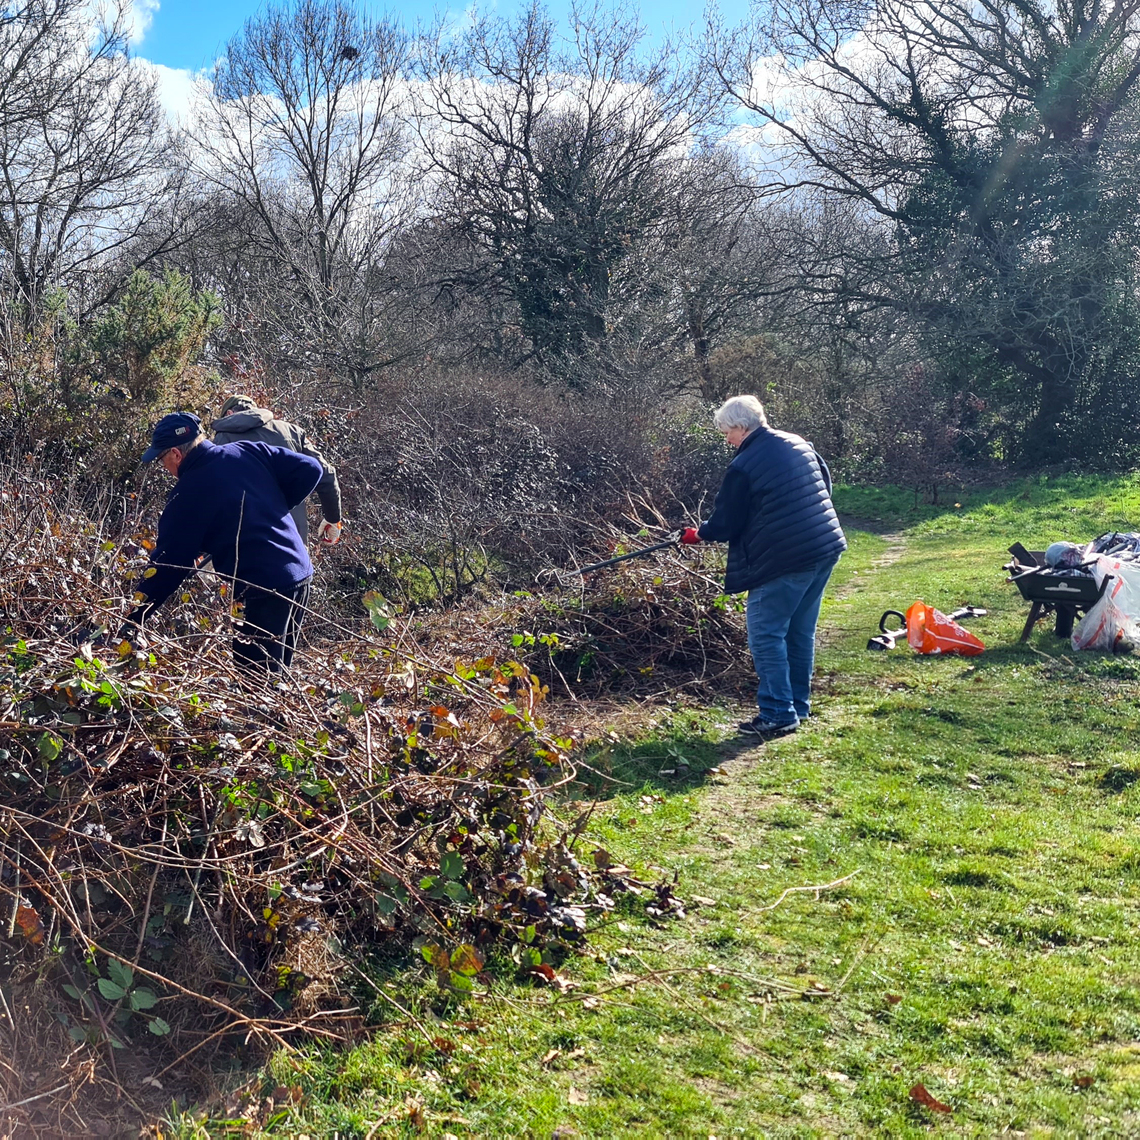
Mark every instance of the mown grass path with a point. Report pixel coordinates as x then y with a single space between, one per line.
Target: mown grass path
984 944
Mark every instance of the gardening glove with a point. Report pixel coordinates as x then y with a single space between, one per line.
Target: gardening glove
689 536
329 533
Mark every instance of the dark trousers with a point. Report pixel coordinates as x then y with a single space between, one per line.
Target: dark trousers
268 634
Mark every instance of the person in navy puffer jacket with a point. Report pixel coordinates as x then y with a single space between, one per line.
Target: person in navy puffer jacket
774 511
233 502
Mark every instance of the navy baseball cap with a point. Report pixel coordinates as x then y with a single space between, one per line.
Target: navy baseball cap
174 430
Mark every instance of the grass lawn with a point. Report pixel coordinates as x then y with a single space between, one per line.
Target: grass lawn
985 941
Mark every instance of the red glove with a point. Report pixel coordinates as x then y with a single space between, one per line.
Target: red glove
689 536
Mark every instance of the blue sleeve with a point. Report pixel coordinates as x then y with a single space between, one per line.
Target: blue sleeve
730 511
823 470
297 474
181 531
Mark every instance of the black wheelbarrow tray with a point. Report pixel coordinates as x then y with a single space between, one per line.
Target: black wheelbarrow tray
1048 591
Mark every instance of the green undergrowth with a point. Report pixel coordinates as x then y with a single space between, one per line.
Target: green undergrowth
971 825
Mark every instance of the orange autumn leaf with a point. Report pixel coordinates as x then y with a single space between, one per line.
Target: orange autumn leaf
30 923
919 1094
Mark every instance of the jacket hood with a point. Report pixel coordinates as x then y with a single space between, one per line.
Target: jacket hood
246 420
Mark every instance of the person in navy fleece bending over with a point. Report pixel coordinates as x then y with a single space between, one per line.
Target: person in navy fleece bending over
232 502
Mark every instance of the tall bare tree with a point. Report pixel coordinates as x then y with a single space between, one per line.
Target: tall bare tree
993 141
301 131
83 146
556 160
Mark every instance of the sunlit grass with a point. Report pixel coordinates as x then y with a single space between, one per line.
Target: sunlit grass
984 942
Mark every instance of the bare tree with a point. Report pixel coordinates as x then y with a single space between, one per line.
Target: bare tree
83 147
301 131
992 141
556 161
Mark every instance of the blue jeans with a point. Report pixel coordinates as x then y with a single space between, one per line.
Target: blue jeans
782 616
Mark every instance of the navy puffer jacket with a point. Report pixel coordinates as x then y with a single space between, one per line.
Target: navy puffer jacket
774 511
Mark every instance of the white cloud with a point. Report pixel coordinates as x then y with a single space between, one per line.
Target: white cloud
456 21
139 17
175 90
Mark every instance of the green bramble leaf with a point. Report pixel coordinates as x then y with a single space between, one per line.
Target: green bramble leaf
143 999
457 892
49 748
122 976
379 610
466 960
110 990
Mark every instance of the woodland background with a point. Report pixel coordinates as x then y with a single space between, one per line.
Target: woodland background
502 274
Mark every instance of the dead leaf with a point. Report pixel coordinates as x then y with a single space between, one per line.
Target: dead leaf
1083 1082
894 999
543 971
31 925
919 1095
415 1107
549 1056
702 900
591 1003
577 1096
984 941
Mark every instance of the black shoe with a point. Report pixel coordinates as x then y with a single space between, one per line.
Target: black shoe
758 726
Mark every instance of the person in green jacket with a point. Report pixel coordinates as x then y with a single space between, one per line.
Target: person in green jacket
241 419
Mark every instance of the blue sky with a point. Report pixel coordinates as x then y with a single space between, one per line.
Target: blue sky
189 34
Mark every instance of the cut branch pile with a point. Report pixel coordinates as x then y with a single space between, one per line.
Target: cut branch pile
186 855
646 627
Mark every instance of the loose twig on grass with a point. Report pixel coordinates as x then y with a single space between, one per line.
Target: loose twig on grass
862 953
744 1044
808 890
391 1000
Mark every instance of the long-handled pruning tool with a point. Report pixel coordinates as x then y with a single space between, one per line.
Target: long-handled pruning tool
672 540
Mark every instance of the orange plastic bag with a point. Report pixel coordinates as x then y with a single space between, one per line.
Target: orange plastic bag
930 631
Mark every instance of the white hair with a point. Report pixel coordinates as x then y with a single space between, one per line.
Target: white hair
740 412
